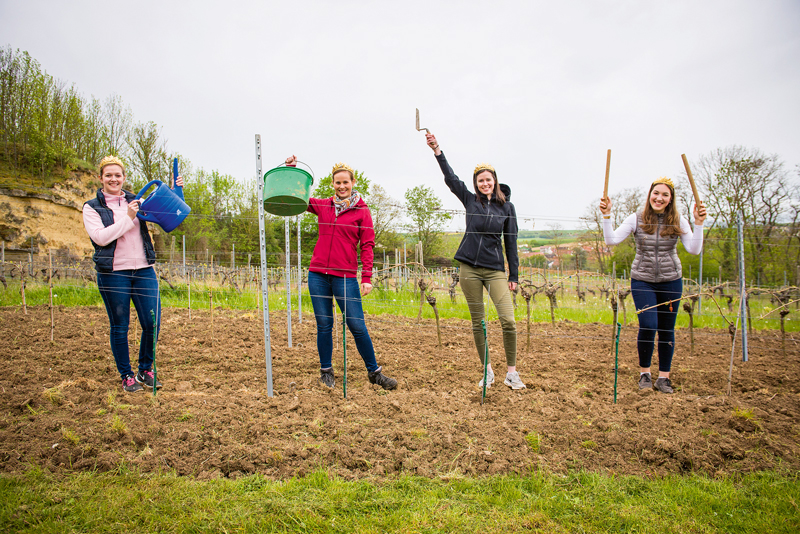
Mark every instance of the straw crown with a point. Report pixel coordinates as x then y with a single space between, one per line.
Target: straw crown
342 167
111 160
664 180
483 167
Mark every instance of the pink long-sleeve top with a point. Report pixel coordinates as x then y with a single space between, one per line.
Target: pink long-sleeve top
129 253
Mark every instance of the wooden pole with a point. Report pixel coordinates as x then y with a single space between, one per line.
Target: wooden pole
608 168
22 287
691 180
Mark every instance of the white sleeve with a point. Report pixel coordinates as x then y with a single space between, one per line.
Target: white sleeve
615 237
692 241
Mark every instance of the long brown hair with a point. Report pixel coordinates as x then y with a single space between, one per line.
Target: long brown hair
498 195
672 219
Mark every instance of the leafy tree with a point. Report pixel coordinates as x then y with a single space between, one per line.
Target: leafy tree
386 215
745 181
427 218
149 158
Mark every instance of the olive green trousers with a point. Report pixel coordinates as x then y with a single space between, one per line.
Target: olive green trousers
473 280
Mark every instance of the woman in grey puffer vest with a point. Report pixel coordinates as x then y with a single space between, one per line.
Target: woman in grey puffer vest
656 276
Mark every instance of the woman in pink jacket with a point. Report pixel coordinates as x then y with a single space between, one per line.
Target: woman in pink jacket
345 223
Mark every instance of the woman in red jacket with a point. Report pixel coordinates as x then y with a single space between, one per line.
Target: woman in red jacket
344 223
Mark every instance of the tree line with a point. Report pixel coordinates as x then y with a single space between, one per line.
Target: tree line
48 128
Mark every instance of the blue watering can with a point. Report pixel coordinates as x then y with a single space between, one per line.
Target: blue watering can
164 206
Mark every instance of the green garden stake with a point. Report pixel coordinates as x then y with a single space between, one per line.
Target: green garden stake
485 361
616 361
155 337
344 346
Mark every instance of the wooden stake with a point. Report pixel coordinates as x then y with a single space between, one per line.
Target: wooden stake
691 180
22 288
608 168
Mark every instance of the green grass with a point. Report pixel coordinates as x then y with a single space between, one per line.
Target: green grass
127 501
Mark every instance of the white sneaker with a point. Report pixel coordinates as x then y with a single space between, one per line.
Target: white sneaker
490 379
512 380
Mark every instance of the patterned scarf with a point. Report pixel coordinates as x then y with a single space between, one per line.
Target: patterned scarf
344 204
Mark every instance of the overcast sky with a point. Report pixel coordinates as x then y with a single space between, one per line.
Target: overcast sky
538 89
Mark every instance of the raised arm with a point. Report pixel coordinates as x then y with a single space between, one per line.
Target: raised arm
452 181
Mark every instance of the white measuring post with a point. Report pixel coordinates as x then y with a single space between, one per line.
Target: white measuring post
183 237
286 221
264 283
299 275
742 286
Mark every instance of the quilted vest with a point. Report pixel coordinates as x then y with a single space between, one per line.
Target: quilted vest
656 257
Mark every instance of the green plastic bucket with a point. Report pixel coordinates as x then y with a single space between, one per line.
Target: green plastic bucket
286 191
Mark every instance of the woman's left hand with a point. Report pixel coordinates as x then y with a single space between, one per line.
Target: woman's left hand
179 181
699 214
512 286
365 289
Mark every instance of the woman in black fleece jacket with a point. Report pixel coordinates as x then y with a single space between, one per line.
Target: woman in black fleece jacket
491 222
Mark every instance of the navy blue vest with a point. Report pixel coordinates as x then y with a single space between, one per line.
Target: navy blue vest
104 256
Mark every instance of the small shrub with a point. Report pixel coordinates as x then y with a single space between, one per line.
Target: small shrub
534 441
118 425
185 416
70 436
54 395
743 413
589 444
418 433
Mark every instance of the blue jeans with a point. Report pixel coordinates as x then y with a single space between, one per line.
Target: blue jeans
323 288
660 319
118 289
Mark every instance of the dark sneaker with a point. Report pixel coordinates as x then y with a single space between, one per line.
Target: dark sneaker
375 377
664 385
645 382
130 385
146 378
326 377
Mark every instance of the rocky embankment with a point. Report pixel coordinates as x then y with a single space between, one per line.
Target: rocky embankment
46 218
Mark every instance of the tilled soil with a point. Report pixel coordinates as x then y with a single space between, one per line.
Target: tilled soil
63 408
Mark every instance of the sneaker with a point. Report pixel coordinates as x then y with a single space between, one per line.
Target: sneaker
645 382
130 385
375 377
512 380
490 379
326 377
664 385
146 378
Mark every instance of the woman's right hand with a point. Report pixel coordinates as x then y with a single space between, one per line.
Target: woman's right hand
133 208
291 161
433 143
605 206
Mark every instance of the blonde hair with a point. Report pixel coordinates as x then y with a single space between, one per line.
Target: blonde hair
111 160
